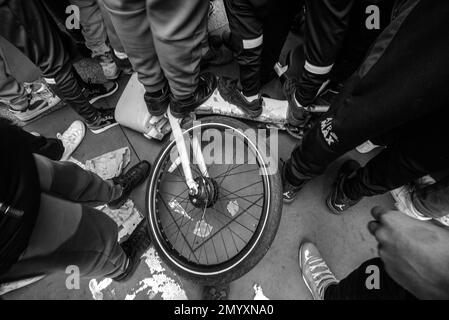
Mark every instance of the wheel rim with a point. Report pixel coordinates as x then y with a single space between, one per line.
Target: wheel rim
197 252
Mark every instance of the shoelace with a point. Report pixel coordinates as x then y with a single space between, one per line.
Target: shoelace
69 136
128 179
321 278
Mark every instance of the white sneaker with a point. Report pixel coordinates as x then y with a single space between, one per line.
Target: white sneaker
366 147
72 138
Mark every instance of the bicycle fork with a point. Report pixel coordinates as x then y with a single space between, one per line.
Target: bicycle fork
184 158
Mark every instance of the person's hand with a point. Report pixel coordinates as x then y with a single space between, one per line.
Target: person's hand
415 253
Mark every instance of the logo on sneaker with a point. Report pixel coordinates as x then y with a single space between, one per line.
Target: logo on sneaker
326 130
340 206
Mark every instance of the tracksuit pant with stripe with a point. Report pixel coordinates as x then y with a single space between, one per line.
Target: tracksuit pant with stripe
402 81
326 24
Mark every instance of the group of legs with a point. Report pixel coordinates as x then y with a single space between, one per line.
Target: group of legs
390 100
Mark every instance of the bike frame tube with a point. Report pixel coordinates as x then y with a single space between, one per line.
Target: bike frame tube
183 155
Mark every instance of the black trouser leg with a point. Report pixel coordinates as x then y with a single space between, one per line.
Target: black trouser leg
247 38
421 151
276 26
28 27
354 286
376 100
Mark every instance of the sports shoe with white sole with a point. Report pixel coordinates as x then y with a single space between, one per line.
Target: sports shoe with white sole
96 91
104 121
39 90
71 138
315 272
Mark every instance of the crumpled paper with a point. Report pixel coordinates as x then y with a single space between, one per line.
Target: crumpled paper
127 218
108 166
111 164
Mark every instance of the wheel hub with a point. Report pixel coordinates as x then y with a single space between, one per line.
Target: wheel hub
207 193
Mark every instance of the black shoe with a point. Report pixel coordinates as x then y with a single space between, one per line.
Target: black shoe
129 181
157 106
297 115
337 201
136 245
289 191
229 91
104 121
206 87
96 91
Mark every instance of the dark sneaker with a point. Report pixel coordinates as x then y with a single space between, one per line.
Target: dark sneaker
216 292
158 105
136 245
315 272
337 201
96 91
289 191
297 115
206 87
230 93
129 181
104 121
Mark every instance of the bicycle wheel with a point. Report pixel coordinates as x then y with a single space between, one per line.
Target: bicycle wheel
224 231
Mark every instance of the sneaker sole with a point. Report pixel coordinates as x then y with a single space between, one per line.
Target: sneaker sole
24 118
100 130
330 207
110 93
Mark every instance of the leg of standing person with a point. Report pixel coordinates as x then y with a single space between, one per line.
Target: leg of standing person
370 281
120 56
94 32
15 96
165 42
326 24
416 154
375 100
246 40
354 286
41 43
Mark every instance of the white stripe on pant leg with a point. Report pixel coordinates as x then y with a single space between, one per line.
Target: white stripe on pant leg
50 80
252 43
316 69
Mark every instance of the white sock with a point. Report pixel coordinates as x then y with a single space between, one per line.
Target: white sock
251 98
